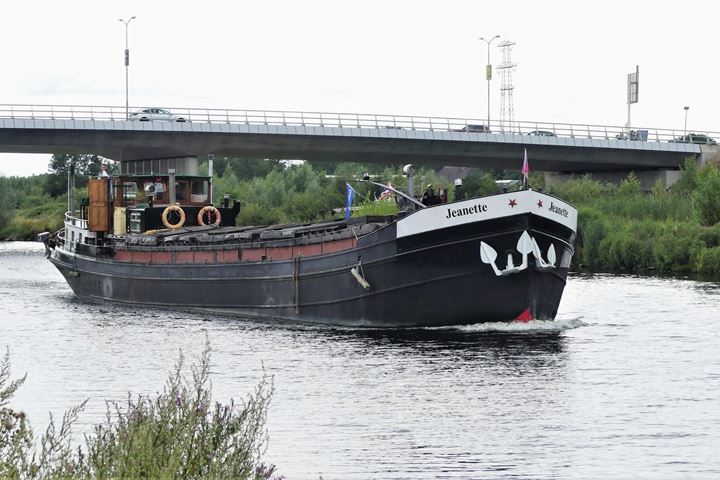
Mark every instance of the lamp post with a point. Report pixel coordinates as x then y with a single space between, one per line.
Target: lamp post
685 129
127 64
488 73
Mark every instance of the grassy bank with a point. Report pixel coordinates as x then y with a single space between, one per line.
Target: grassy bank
620 227
26 208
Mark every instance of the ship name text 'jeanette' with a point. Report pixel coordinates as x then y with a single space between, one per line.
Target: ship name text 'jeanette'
475 209
558 210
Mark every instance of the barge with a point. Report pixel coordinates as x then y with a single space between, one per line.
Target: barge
156 239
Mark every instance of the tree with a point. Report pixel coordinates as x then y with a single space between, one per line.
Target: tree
479 184
86 166
245 168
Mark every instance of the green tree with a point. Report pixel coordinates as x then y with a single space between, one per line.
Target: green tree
248 168
86 166
479 184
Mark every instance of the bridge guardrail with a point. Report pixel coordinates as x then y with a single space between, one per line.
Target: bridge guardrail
360 120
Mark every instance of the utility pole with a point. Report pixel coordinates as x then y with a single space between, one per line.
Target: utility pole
127 64
488 74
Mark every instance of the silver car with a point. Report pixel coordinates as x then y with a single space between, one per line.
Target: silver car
151 114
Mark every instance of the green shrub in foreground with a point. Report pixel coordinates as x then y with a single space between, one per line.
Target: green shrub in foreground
180 433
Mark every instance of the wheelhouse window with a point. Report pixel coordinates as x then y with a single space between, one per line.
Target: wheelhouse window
199 191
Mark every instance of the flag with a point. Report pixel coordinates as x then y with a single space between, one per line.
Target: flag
525 170
349 200
387 193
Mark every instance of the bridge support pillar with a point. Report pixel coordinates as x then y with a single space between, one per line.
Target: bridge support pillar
709 153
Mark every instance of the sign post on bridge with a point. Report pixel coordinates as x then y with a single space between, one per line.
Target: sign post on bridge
633 88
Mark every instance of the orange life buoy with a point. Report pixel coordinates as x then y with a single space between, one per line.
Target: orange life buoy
211 210
166 213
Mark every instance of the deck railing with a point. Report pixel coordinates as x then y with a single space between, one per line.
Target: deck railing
364 121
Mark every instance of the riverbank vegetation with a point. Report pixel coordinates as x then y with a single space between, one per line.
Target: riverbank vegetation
180 433
668 231
620 227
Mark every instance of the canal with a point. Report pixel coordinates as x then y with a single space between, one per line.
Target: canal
625 383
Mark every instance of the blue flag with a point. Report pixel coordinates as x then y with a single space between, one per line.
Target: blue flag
349 200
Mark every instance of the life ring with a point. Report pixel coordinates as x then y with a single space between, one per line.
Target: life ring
212 210
166 213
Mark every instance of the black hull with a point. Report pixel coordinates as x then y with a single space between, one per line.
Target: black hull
433 279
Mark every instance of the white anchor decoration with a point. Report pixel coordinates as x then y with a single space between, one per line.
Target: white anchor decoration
525 246
550 255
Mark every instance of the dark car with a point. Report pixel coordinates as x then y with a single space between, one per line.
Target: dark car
695 138
474 128
542 133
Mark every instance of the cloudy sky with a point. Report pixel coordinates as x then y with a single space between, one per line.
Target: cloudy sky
390 57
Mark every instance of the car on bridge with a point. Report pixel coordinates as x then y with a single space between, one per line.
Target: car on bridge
474 128
699 138
542 133
155 114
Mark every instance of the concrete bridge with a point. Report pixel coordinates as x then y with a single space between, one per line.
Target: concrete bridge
435 141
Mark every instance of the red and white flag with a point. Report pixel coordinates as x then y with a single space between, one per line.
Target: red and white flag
525 170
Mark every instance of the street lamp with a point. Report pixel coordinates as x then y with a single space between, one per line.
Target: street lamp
488 73
127 63
685 129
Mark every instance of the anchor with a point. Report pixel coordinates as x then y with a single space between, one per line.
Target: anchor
525 246
550 255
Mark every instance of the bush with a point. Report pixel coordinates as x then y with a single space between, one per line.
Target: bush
479 184
308 207
710 236
629 253
630 187
591 230
581 190
688 178
708 261
180 433
676 249
5 202
706 196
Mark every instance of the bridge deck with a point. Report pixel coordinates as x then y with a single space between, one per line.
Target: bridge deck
573 149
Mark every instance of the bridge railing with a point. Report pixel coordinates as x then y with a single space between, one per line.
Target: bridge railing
365 121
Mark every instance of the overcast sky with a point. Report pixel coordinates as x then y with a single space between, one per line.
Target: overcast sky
421 58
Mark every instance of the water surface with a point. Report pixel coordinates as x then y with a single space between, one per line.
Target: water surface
625 384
